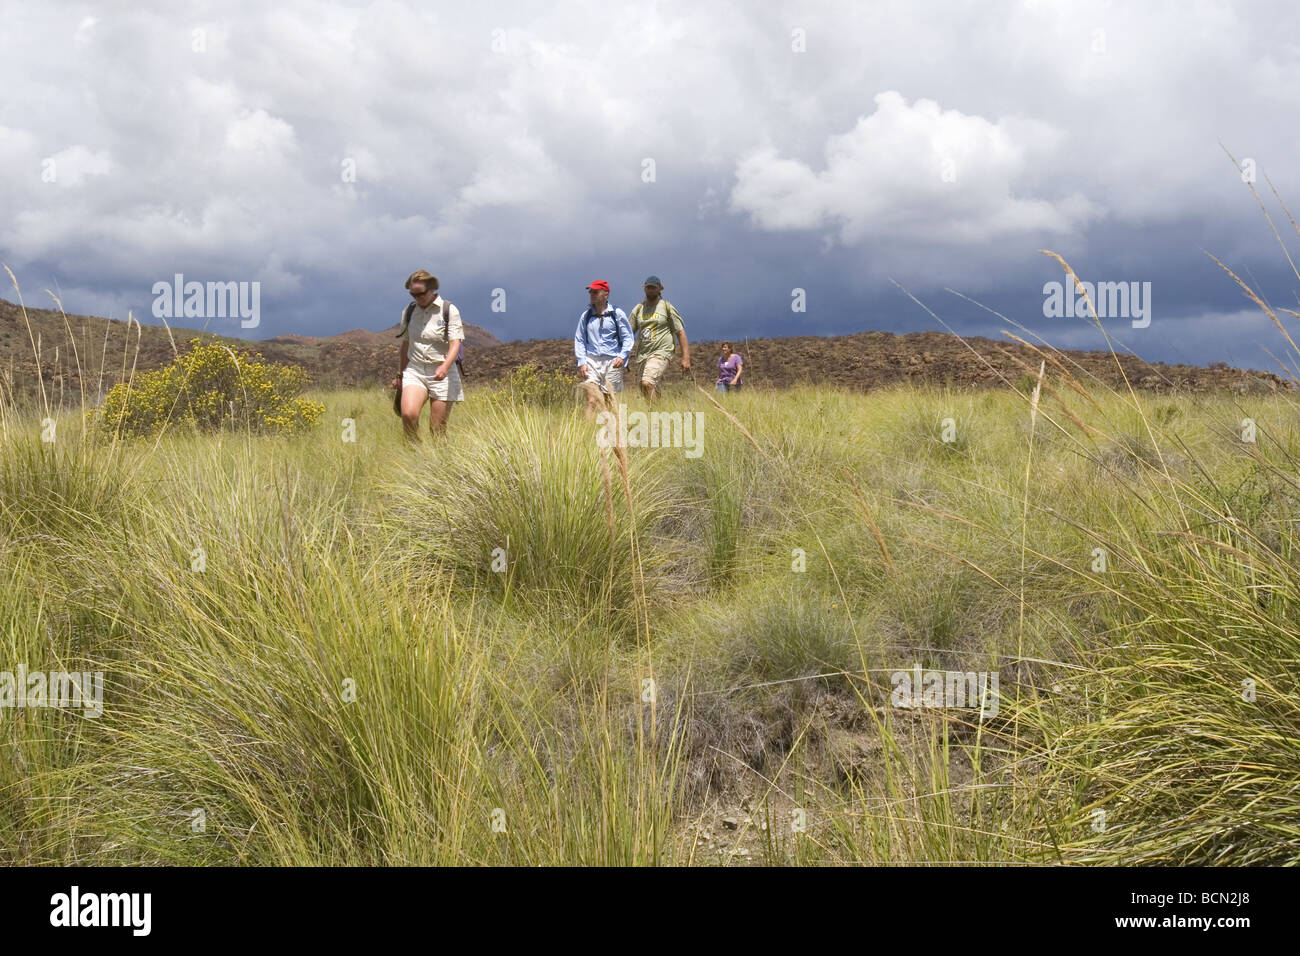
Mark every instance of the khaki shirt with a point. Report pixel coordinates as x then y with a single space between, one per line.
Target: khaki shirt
660 329
424 334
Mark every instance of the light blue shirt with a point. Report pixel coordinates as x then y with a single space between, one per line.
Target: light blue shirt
603 334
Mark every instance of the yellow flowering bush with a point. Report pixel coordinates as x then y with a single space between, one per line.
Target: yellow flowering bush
530 385
210 387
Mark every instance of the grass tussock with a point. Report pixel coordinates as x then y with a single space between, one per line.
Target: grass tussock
514 646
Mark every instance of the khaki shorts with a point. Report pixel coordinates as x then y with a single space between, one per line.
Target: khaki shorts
653 370
600 371
448 390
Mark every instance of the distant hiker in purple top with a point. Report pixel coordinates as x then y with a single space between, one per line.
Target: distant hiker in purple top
730 367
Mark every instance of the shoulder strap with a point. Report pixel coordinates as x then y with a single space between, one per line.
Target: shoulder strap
586 339
668 314
406 318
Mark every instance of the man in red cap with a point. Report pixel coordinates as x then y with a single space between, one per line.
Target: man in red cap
601 344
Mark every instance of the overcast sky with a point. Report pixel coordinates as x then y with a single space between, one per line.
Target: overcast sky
739 150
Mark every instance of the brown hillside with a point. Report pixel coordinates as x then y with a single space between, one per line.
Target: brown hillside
865 360
106 350
869 360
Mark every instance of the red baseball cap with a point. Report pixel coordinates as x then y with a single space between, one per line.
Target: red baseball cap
599 284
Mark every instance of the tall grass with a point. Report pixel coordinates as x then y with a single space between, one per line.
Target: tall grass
524 503
313 654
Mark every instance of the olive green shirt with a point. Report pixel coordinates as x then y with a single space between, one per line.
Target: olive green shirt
661 328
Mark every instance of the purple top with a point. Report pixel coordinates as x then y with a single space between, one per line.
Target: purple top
727 369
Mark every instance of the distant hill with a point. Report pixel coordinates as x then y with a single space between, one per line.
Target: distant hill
475 338
865 360
107 351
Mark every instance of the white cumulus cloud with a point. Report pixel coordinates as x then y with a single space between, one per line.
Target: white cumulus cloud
916 172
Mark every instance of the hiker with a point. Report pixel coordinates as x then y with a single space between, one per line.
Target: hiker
654 323
602 344
431 334
730 367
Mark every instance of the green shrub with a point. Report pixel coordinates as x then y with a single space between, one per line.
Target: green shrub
211 387
775 633
530 385
532 485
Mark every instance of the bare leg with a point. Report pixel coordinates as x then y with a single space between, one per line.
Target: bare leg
439 412
649 392
413 398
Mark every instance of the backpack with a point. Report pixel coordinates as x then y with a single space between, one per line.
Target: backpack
446 323
586 339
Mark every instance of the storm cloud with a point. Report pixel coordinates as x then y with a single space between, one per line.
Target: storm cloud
741 151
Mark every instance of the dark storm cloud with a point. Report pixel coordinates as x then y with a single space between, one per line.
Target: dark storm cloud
829 148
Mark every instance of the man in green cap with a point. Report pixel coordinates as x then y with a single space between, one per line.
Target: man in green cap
655 323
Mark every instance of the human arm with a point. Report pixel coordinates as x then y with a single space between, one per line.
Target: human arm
404 334
452 351
397 382
626 337
675 323
580 345
634 320
455 335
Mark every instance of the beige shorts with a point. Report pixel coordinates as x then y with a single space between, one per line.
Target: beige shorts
654 368
601 371
447 390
